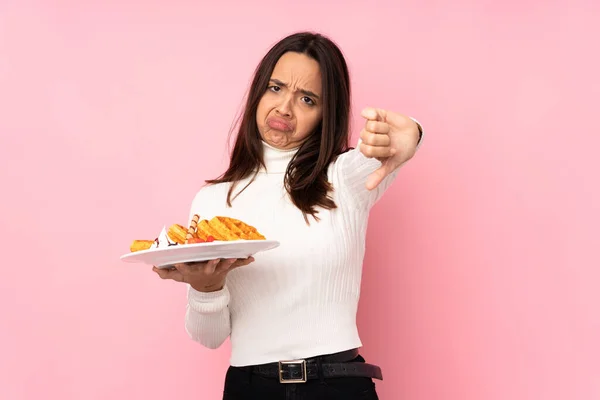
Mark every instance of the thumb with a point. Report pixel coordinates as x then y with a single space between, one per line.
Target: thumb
374 114
376 177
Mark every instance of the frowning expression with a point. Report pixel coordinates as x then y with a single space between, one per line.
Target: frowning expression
290 109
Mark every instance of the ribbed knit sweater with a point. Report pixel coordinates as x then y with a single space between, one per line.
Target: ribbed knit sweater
299 299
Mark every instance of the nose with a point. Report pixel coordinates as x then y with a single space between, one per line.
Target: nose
285 106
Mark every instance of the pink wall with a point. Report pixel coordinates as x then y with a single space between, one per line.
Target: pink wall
481 280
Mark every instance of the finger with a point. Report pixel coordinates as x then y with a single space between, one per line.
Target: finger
184 268
224 265
160 271
194 266
169 274
375 178
241 262
374 139
377 127
211 266
374 114
163 268
376 151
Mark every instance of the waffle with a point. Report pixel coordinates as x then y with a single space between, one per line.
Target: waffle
177 233
224 229
138 245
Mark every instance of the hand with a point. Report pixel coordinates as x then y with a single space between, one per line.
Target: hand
203 276
391 138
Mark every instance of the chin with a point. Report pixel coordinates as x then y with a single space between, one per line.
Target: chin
278 144
278 139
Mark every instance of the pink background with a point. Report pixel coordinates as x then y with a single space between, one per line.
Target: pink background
481 280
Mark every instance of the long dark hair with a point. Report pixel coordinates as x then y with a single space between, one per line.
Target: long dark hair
306 176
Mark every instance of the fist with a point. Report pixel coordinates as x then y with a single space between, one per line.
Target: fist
391 138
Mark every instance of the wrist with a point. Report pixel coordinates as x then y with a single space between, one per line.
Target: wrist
208 288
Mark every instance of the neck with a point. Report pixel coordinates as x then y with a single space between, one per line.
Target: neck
277 160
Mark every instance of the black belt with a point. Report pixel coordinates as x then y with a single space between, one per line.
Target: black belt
330 366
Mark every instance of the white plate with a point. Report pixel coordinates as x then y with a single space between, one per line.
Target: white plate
167 256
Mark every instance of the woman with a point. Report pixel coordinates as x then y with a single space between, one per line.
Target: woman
290 312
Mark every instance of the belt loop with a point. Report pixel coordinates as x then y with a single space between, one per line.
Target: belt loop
320 370
247 374
250 374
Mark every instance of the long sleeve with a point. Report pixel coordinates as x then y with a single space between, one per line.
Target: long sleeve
207 318
350 174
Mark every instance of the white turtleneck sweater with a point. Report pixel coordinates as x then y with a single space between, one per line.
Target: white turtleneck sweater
300 299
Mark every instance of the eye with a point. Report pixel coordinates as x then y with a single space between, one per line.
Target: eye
274 88
308 100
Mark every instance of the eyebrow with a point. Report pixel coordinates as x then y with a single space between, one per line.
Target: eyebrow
304 91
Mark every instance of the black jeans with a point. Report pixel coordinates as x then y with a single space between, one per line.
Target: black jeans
241 384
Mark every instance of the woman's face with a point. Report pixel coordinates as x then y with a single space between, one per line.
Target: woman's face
291 107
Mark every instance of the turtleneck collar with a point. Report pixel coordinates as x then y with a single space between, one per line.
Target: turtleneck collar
277 160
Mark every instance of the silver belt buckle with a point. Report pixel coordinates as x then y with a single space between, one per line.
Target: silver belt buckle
299 363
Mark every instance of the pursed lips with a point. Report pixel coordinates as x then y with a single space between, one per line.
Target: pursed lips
279 124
